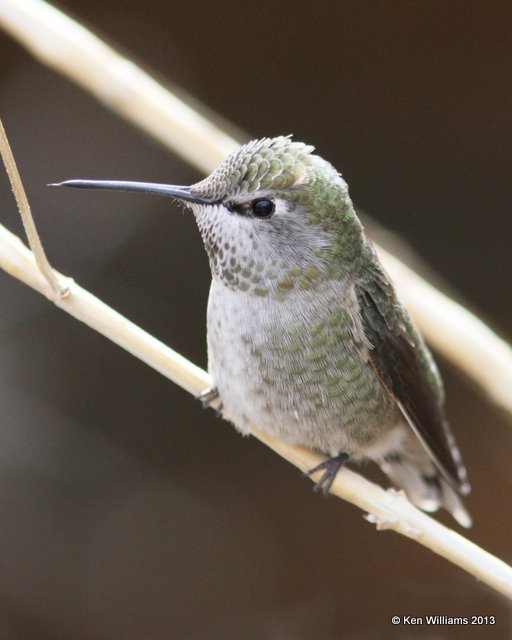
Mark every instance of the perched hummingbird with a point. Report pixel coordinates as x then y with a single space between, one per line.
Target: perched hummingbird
307 339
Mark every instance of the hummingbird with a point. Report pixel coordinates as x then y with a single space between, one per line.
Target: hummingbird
307 339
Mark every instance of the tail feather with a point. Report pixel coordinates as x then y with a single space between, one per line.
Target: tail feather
428 492
409 467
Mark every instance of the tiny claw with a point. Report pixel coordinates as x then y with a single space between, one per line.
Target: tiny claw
330 467
208 396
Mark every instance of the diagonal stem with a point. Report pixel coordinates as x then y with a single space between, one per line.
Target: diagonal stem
26 216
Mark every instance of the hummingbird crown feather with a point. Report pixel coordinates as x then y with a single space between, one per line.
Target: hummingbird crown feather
266 164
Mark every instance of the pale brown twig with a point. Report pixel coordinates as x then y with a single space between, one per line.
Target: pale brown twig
26 216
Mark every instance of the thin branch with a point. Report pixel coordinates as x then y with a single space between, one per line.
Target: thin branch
70 49
388 509
26 215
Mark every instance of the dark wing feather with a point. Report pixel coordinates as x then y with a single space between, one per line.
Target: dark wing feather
400 359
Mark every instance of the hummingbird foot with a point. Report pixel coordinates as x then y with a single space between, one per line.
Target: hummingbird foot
330 468
208 396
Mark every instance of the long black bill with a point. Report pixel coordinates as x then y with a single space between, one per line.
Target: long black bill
169 190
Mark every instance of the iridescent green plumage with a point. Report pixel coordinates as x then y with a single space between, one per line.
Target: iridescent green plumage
267 164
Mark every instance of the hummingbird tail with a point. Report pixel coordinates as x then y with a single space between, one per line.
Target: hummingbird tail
424 485
428 492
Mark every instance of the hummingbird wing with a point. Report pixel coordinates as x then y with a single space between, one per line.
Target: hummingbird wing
405 367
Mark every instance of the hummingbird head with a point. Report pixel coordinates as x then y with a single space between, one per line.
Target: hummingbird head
274 217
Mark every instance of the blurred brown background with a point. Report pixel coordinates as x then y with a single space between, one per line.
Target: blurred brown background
126 512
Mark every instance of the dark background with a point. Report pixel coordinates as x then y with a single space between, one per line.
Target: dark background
126 512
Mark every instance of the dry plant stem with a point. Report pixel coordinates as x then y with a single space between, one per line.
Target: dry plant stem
388 509
26 215
72 50
18 261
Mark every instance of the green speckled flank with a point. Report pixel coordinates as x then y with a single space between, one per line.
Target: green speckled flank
325 370
309 277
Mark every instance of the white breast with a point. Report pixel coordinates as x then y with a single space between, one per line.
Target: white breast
253 347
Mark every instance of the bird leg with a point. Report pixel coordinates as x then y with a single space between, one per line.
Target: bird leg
330 467
208 396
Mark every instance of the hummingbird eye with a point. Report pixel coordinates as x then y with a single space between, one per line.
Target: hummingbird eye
262 208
